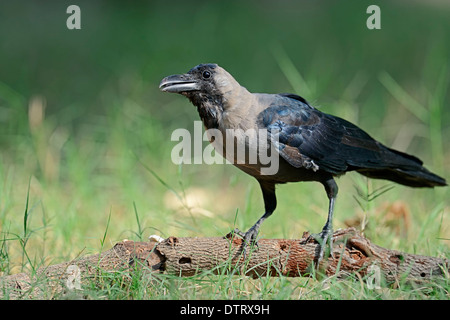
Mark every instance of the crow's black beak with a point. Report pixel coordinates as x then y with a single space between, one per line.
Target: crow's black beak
179 83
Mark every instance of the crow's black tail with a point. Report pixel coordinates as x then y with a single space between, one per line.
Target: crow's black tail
404 169
416 178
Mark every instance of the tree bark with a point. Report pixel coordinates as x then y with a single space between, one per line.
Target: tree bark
352 254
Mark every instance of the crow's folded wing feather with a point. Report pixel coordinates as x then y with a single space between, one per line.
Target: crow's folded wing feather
304 136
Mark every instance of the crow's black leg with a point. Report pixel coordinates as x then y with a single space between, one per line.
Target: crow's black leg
270 203
325 236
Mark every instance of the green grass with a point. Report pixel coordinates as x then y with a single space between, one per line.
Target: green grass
220 287
85 136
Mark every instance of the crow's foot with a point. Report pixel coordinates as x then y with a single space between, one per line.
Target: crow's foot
324 239
249 237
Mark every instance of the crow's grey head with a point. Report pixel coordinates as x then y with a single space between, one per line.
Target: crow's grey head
205 83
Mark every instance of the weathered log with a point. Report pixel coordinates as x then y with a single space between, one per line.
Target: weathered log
352 254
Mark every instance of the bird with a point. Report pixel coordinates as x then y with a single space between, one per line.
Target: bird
311 145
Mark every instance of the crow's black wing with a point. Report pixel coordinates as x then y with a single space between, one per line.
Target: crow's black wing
307 137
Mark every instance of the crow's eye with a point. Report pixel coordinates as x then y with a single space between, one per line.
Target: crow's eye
206 74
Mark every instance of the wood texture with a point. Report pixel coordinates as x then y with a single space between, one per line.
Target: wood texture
352 254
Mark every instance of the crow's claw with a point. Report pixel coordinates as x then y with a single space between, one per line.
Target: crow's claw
324 238
249 237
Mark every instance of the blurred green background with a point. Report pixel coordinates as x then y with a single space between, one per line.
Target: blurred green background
85 132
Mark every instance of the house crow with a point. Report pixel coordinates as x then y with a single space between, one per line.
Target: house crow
311 145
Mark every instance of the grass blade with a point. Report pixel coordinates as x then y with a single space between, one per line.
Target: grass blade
403 97
140 231
291 72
